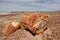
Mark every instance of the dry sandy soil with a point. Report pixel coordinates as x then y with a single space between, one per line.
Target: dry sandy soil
52 33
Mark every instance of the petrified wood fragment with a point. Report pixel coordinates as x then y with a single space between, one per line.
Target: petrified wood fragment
35 23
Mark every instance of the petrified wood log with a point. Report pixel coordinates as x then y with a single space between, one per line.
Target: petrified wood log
35 23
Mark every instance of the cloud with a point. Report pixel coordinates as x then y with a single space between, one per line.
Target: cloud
27 0
29 5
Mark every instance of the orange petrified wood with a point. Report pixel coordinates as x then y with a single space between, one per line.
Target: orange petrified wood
35 23
10 27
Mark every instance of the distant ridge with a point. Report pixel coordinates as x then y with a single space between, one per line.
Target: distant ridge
17 12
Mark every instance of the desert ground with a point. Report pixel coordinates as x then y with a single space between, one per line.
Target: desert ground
52 32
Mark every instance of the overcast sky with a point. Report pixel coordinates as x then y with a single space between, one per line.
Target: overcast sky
29 5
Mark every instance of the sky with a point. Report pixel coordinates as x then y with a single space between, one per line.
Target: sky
29 5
